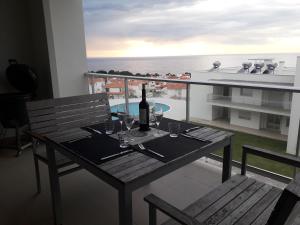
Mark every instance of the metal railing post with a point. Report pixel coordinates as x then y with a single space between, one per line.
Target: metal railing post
126 95
93 84
297 149
187 105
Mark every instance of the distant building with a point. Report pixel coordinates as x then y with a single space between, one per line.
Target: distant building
176 90
251 108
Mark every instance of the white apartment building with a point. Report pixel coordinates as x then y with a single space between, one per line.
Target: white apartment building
251 108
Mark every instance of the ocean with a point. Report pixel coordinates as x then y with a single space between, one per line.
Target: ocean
181 64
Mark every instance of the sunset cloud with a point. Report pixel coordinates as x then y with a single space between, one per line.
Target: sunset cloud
171 27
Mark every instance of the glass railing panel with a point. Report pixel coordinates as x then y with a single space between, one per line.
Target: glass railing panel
115 89
258 130
224 117
169 96
241 138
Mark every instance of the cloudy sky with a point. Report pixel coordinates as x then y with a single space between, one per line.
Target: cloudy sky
190 27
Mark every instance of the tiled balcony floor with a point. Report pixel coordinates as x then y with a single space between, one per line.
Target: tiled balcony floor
86 199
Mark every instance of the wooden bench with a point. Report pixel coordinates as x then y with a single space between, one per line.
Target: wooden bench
240 200
61 119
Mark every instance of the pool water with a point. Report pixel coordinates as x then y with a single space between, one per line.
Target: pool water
134 108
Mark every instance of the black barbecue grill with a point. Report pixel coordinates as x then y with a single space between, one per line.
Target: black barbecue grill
13 105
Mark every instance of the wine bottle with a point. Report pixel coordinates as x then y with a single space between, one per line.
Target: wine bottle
144 111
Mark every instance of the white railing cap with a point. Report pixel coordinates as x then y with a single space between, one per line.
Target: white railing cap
239 84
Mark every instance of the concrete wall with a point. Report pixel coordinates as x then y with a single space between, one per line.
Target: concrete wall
295 115
199 108
23 38
253 123
66 44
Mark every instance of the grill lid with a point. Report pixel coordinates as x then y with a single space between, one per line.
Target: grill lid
21 77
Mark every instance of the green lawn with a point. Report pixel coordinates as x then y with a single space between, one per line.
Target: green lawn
240 139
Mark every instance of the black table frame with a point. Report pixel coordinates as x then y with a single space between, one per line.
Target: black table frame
125 189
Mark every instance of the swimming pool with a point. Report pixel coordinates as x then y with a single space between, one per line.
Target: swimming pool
134 107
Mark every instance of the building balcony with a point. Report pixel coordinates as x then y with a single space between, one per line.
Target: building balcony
281 108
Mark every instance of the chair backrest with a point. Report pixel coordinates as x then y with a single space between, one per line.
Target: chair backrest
289 198
59 114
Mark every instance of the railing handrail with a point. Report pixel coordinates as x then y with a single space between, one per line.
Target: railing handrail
214 82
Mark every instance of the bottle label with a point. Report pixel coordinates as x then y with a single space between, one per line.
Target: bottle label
143 116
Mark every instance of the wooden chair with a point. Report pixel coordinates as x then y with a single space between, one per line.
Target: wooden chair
61 118
240 200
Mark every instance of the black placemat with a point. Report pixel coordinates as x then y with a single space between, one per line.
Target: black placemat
171 148
96 147
183 125
99 146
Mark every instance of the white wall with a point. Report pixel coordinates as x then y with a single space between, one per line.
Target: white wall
253 123
255 99
295 115
286 100
199 108
66 44
283 128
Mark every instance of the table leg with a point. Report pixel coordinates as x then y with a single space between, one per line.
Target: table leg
54 186
125 207
227 162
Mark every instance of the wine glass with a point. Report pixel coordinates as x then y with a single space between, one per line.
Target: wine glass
152 113
121 114
158 114
129 121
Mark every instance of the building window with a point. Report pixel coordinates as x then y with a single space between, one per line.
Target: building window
246 92
245 115
287 122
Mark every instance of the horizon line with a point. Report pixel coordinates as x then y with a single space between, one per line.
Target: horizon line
164 56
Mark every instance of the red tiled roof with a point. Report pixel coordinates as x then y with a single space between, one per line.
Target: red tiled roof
135 82
116 93
115 84
174 86
184 77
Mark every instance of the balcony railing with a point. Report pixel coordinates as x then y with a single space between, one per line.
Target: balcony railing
92 77
264 86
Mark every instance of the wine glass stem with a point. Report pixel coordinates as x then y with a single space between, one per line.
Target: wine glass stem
121 123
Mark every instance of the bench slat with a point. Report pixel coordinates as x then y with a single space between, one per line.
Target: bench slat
124 166
260 206
212 197
137 173
264 216
239 212
120 160
225 206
